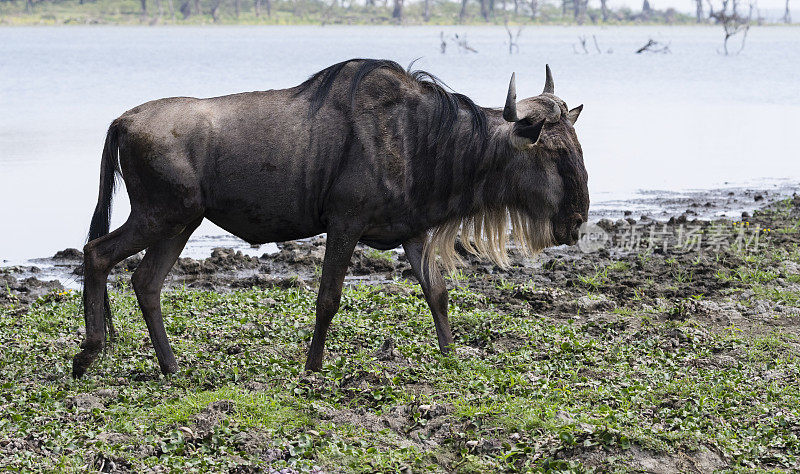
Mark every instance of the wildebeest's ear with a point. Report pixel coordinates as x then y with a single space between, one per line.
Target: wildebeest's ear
525 128
573 114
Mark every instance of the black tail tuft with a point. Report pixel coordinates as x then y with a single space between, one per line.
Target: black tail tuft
109 169
101 219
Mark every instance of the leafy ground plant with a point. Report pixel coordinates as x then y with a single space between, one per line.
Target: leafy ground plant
525 392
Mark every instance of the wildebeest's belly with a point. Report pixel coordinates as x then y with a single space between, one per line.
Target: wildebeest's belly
268 228
262 205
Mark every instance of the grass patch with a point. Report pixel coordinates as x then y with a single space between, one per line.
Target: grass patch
264 410
526 393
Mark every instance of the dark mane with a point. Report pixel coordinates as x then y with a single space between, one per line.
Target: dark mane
446 110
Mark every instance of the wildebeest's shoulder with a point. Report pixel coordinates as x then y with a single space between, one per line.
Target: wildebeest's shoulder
384 88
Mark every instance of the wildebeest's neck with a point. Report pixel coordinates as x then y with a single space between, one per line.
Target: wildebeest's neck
459 173
429 154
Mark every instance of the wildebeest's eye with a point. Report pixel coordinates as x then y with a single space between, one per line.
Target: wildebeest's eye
528 129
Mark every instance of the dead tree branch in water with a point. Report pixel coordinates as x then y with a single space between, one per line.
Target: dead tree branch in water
732 22
584 48
653 46
443 43
512 39
596 46
582 42
463 46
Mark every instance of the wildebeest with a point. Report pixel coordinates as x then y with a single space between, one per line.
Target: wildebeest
364 151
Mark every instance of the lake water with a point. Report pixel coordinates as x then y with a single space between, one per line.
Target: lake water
690 119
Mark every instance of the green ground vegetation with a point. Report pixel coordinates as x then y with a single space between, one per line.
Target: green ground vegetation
642 361
525 393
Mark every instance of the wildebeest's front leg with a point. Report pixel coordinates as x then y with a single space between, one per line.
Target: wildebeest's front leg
435 291
338 251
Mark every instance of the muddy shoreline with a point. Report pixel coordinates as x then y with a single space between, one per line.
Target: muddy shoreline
299 263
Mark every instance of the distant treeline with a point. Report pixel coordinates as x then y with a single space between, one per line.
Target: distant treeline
331 12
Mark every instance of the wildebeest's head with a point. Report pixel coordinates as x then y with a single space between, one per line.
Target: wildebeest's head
550 178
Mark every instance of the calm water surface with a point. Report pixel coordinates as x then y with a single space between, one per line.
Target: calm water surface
690 119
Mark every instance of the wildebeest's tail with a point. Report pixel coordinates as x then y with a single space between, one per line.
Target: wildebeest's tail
109 168
101 219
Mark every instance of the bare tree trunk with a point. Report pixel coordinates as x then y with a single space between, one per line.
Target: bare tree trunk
397 12
699 11
604 9
237 7
160 9
269 8
215 4
28 6
534 8
257 7
491 8
185 9
484 10
516 7
171 9
426 13
463 11
197 7
144 7
646 10
580 10
787 16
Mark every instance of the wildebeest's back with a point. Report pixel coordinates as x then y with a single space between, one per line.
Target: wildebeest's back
261 170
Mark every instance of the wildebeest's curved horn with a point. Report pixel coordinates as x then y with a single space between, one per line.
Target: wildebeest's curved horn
555 113
510 110
548 80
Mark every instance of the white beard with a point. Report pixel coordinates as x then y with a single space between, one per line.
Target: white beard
486 235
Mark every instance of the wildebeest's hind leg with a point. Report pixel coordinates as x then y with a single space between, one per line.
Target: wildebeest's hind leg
435 291
338 251
148 279
100 256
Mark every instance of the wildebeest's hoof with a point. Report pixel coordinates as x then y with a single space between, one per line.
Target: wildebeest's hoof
77 369
169 369
313 366
84 358
81 362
